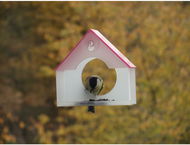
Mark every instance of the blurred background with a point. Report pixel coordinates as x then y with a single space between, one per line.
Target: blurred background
36 36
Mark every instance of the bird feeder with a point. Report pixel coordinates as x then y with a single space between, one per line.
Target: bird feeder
69 86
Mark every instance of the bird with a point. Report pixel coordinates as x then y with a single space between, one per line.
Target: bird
94 84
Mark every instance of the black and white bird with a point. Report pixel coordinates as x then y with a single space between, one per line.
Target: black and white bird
93 84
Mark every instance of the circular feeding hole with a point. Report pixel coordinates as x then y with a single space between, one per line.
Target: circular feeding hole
98 67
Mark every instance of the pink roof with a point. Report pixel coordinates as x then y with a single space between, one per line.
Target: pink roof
113 49
105 42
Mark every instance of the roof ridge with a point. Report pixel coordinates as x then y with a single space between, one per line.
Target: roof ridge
121 56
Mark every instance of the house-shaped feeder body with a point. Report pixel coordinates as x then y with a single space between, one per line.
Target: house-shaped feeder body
69 85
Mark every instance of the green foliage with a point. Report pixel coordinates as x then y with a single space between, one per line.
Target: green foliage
36 36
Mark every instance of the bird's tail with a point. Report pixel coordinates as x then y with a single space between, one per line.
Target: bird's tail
91 109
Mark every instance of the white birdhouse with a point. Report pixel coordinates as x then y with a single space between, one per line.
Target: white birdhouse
69 85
